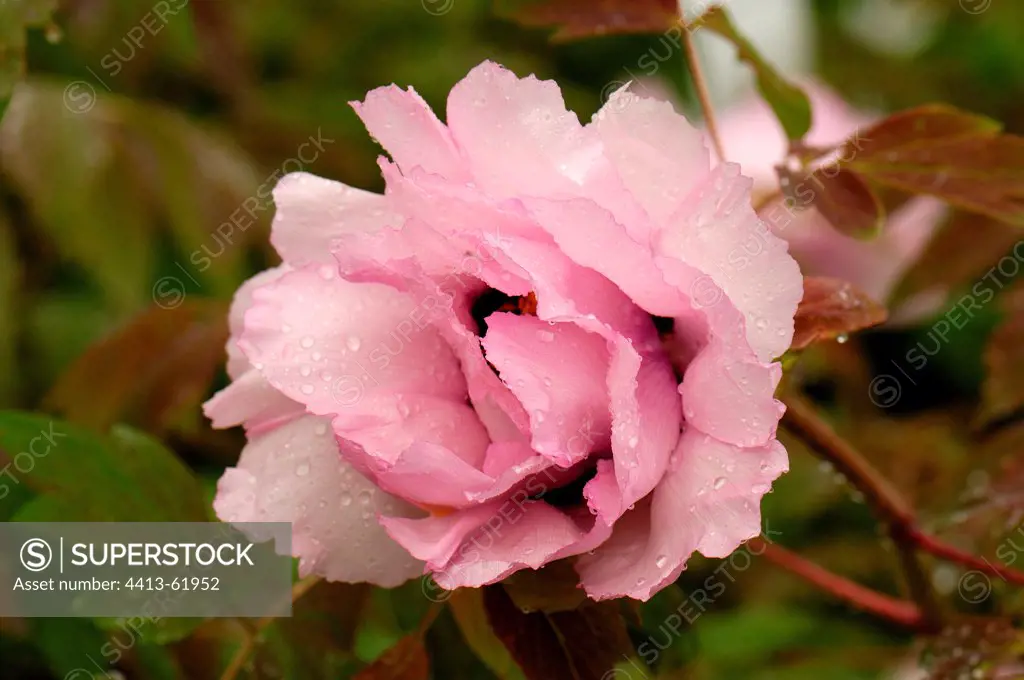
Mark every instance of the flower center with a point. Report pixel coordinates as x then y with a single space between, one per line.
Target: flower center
491 301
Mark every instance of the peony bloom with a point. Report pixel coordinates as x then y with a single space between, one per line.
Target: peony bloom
465 375
752 137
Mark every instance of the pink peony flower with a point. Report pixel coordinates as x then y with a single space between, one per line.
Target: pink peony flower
752 137
465 375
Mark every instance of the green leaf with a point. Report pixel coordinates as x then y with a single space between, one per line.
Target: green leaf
953 155
69 644
81 476
317 640
763 629
101 170
789 102
71 170
467 606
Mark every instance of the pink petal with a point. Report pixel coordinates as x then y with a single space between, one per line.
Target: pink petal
487 543
717 231
517 135
238 363
445 301
294 474
587 233
645 431
251 401
337 346
657 153
558 372
732 398
406 127
312 211
387 426
708 501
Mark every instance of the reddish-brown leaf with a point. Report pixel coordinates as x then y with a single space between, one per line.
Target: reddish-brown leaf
831 308
407 660
583 644
960 252
575 19
1002 392
918 127
941 151
148 371
841 196
556 587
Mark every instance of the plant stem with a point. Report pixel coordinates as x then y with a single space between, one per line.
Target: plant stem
803 420
891 609
936 547
700 85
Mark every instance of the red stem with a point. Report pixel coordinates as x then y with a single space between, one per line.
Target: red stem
803 420
891 609
938 548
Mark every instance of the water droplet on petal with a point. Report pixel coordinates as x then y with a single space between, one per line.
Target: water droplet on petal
308 389
353 343
660 561
307 341
842 338
302 470
345 498
719 483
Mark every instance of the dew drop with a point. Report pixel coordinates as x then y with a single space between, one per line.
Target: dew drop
307 389
305 371
302 470
633 441
353 343
842 338
307 341
345 498
719 482
660 561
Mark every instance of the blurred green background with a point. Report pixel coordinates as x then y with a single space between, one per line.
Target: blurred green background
124 150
